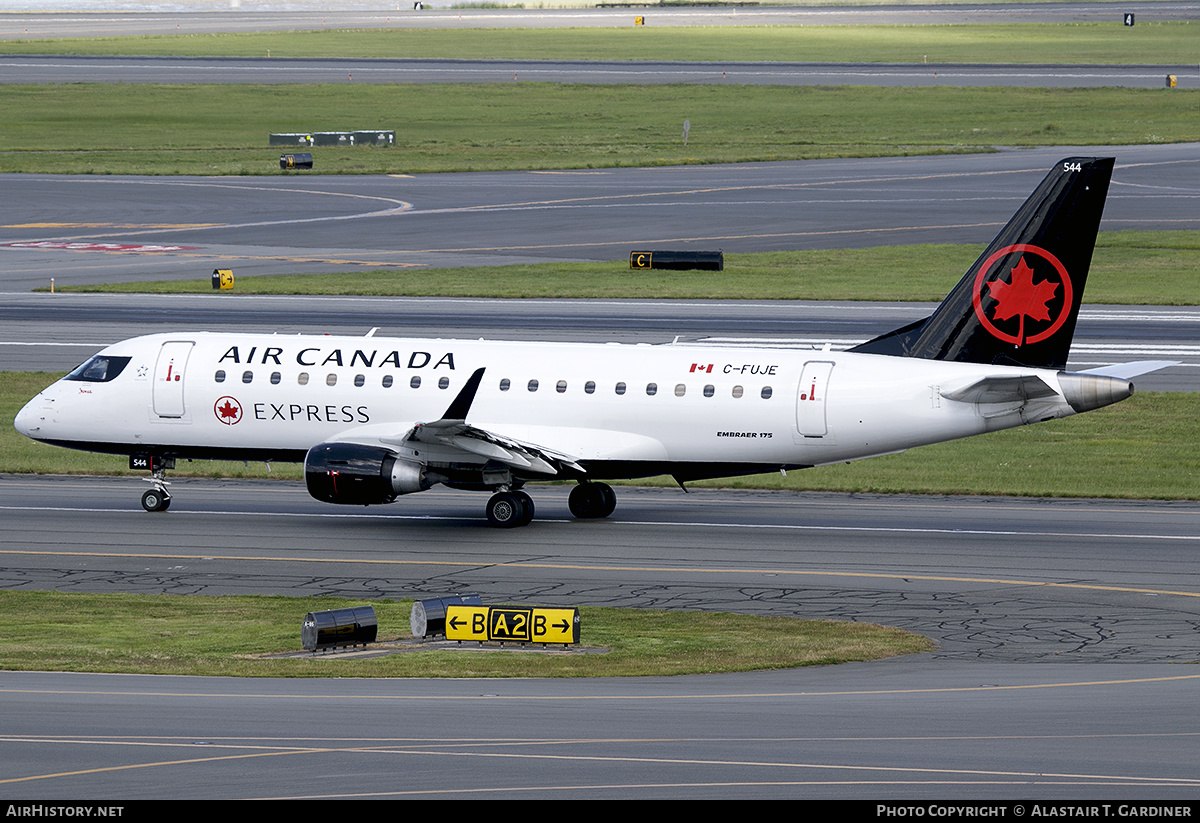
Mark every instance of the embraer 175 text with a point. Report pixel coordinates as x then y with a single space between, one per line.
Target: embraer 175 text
374 418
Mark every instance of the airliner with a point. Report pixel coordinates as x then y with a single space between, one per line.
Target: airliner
375 418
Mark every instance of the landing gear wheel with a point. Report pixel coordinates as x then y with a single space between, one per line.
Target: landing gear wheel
584 502
158 499
526 507
507 510
589 501
155 501
608 497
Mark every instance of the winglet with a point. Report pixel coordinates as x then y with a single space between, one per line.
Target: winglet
466 396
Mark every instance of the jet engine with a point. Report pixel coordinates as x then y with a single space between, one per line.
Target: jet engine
361 475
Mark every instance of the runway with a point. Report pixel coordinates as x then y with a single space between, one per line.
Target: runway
968 733
1047 679
268 70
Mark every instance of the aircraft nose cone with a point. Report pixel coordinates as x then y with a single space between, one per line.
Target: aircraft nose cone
29 419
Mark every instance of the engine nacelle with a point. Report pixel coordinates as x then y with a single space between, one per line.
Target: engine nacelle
360 475
1085 392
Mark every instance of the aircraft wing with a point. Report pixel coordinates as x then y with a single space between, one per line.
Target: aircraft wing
452 434
526 457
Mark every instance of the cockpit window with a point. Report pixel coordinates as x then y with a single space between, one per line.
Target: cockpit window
100 369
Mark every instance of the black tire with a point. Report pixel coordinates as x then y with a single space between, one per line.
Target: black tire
608 499
526 508
589 501
505 510
155 501
582 502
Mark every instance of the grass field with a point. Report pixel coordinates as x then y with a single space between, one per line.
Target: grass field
223 129
1132 267
1156 42
234 636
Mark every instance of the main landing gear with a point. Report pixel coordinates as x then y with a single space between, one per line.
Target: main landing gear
588 501
509 509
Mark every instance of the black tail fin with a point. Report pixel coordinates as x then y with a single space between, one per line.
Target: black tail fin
1018 303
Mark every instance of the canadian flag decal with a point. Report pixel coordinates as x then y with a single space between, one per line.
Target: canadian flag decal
706 369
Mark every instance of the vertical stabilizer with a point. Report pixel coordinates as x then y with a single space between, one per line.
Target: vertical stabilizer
1018 303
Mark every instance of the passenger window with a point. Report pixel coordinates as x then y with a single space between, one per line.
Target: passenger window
444 383
680 390
360 380
620 388
505 384
219 376
737 391
709 390
651 389
275 378
533 384
387 381
302 378
331 379
590 387
415 383
766 393
561 386
247 376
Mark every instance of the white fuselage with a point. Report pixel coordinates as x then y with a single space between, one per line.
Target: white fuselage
274 397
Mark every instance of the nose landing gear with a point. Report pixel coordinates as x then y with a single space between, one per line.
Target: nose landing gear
157 499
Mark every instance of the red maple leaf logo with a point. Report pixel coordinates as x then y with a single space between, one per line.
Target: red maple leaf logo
228 410
1022 298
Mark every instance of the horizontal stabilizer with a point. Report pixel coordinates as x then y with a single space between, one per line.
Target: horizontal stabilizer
1128 370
